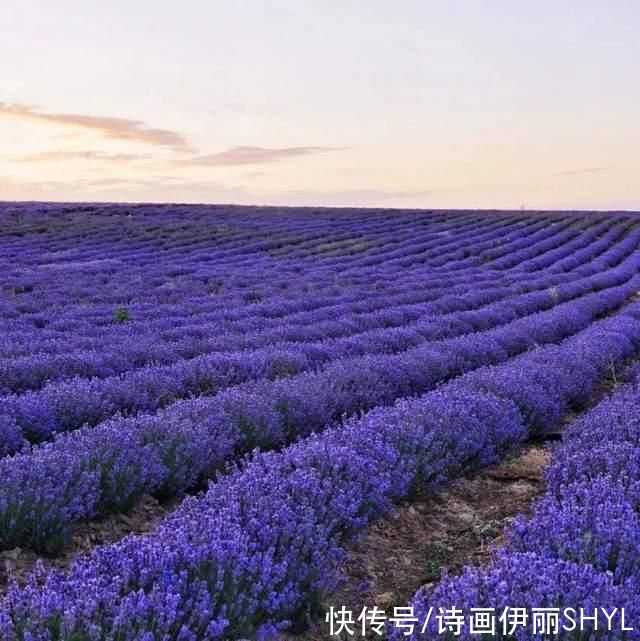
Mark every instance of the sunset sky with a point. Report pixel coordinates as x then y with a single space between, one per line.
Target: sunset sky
404 103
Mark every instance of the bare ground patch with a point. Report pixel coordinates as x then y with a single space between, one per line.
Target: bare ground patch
397 554
144 517
411 546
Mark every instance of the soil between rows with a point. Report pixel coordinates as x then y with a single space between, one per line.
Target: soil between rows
448 530
398 554
144 517
438 532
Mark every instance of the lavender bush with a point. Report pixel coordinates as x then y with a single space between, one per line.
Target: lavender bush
312 367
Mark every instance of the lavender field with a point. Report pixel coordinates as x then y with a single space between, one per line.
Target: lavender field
279 380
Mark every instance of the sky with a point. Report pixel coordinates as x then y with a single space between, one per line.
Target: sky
391 103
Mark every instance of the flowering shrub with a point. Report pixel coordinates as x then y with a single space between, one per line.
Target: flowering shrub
313 368
580 548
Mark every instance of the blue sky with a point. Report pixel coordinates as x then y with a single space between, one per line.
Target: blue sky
394 103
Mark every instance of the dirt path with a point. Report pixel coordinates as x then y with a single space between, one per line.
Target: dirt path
143 518
396 555
458 526
416 542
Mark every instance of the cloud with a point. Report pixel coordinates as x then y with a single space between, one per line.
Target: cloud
107 127
81 155
253 155
588 170
123 189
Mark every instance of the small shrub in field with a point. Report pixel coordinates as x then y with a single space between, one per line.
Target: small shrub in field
122 315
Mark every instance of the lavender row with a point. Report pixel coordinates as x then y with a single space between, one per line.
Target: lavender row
41 370
289 306
259 549
306 309
285 230
397 310
456 240
92 472
164 346
37 416
285 305
361 221
189 266
582 543
84 310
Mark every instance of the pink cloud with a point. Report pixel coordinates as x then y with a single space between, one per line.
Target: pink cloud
107 127
254 155
588 170
81 155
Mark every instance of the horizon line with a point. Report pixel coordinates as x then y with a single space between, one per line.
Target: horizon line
363 207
